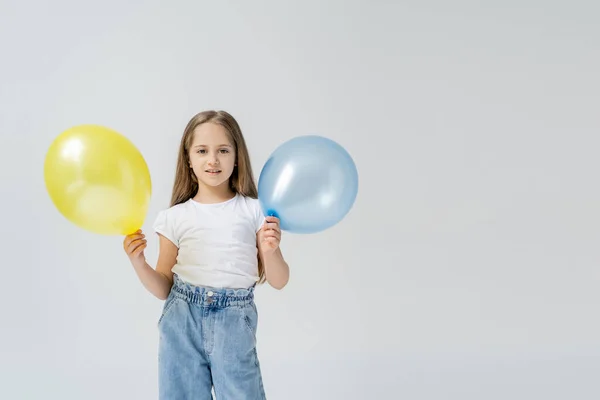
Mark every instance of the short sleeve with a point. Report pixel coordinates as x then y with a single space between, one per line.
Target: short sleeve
164 225
259 216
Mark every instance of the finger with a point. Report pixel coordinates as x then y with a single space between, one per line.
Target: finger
133 240
136 233
272 219
272 233
130 238
135 244
139 250
271 225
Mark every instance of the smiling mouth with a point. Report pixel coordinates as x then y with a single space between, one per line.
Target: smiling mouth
213 171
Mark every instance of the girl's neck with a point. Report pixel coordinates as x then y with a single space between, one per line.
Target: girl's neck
211 194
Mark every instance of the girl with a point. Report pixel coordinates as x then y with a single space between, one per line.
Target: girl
215 244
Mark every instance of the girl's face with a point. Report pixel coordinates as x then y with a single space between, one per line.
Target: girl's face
212 155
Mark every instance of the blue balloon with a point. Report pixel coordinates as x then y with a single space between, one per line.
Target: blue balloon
309 182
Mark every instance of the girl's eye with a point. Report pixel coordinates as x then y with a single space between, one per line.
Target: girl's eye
224 151
201 151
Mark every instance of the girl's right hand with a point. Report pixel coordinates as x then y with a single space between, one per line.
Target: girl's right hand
134 245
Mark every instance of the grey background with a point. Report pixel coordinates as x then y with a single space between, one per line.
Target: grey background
468 268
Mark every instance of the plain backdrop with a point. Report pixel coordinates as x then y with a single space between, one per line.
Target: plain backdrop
469 265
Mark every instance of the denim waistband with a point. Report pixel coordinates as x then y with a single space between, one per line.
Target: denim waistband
215 297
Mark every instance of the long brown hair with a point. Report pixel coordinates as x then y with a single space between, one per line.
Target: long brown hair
242 181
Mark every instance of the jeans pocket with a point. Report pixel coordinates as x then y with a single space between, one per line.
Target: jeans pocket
171 300
250 317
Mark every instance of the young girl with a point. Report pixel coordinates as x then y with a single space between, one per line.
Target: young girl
215 244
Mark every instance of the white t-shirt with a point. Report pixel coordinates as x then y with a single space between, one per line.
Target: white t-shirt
216 242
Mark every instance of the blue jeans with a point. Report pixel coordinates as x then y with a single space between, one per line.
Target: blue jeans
207 338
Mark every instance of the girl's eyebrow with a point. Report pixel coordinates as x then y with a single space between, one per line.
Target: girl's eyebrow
220 145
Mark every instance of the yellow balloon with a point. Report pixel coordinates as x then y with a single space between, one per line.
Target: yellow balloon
98 180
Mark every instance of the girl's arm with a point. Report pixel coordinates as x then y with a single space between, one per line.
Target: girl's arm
277 270
157 281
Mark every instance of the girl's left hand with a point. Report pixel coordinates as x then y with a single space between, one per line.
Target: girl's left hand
269 235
